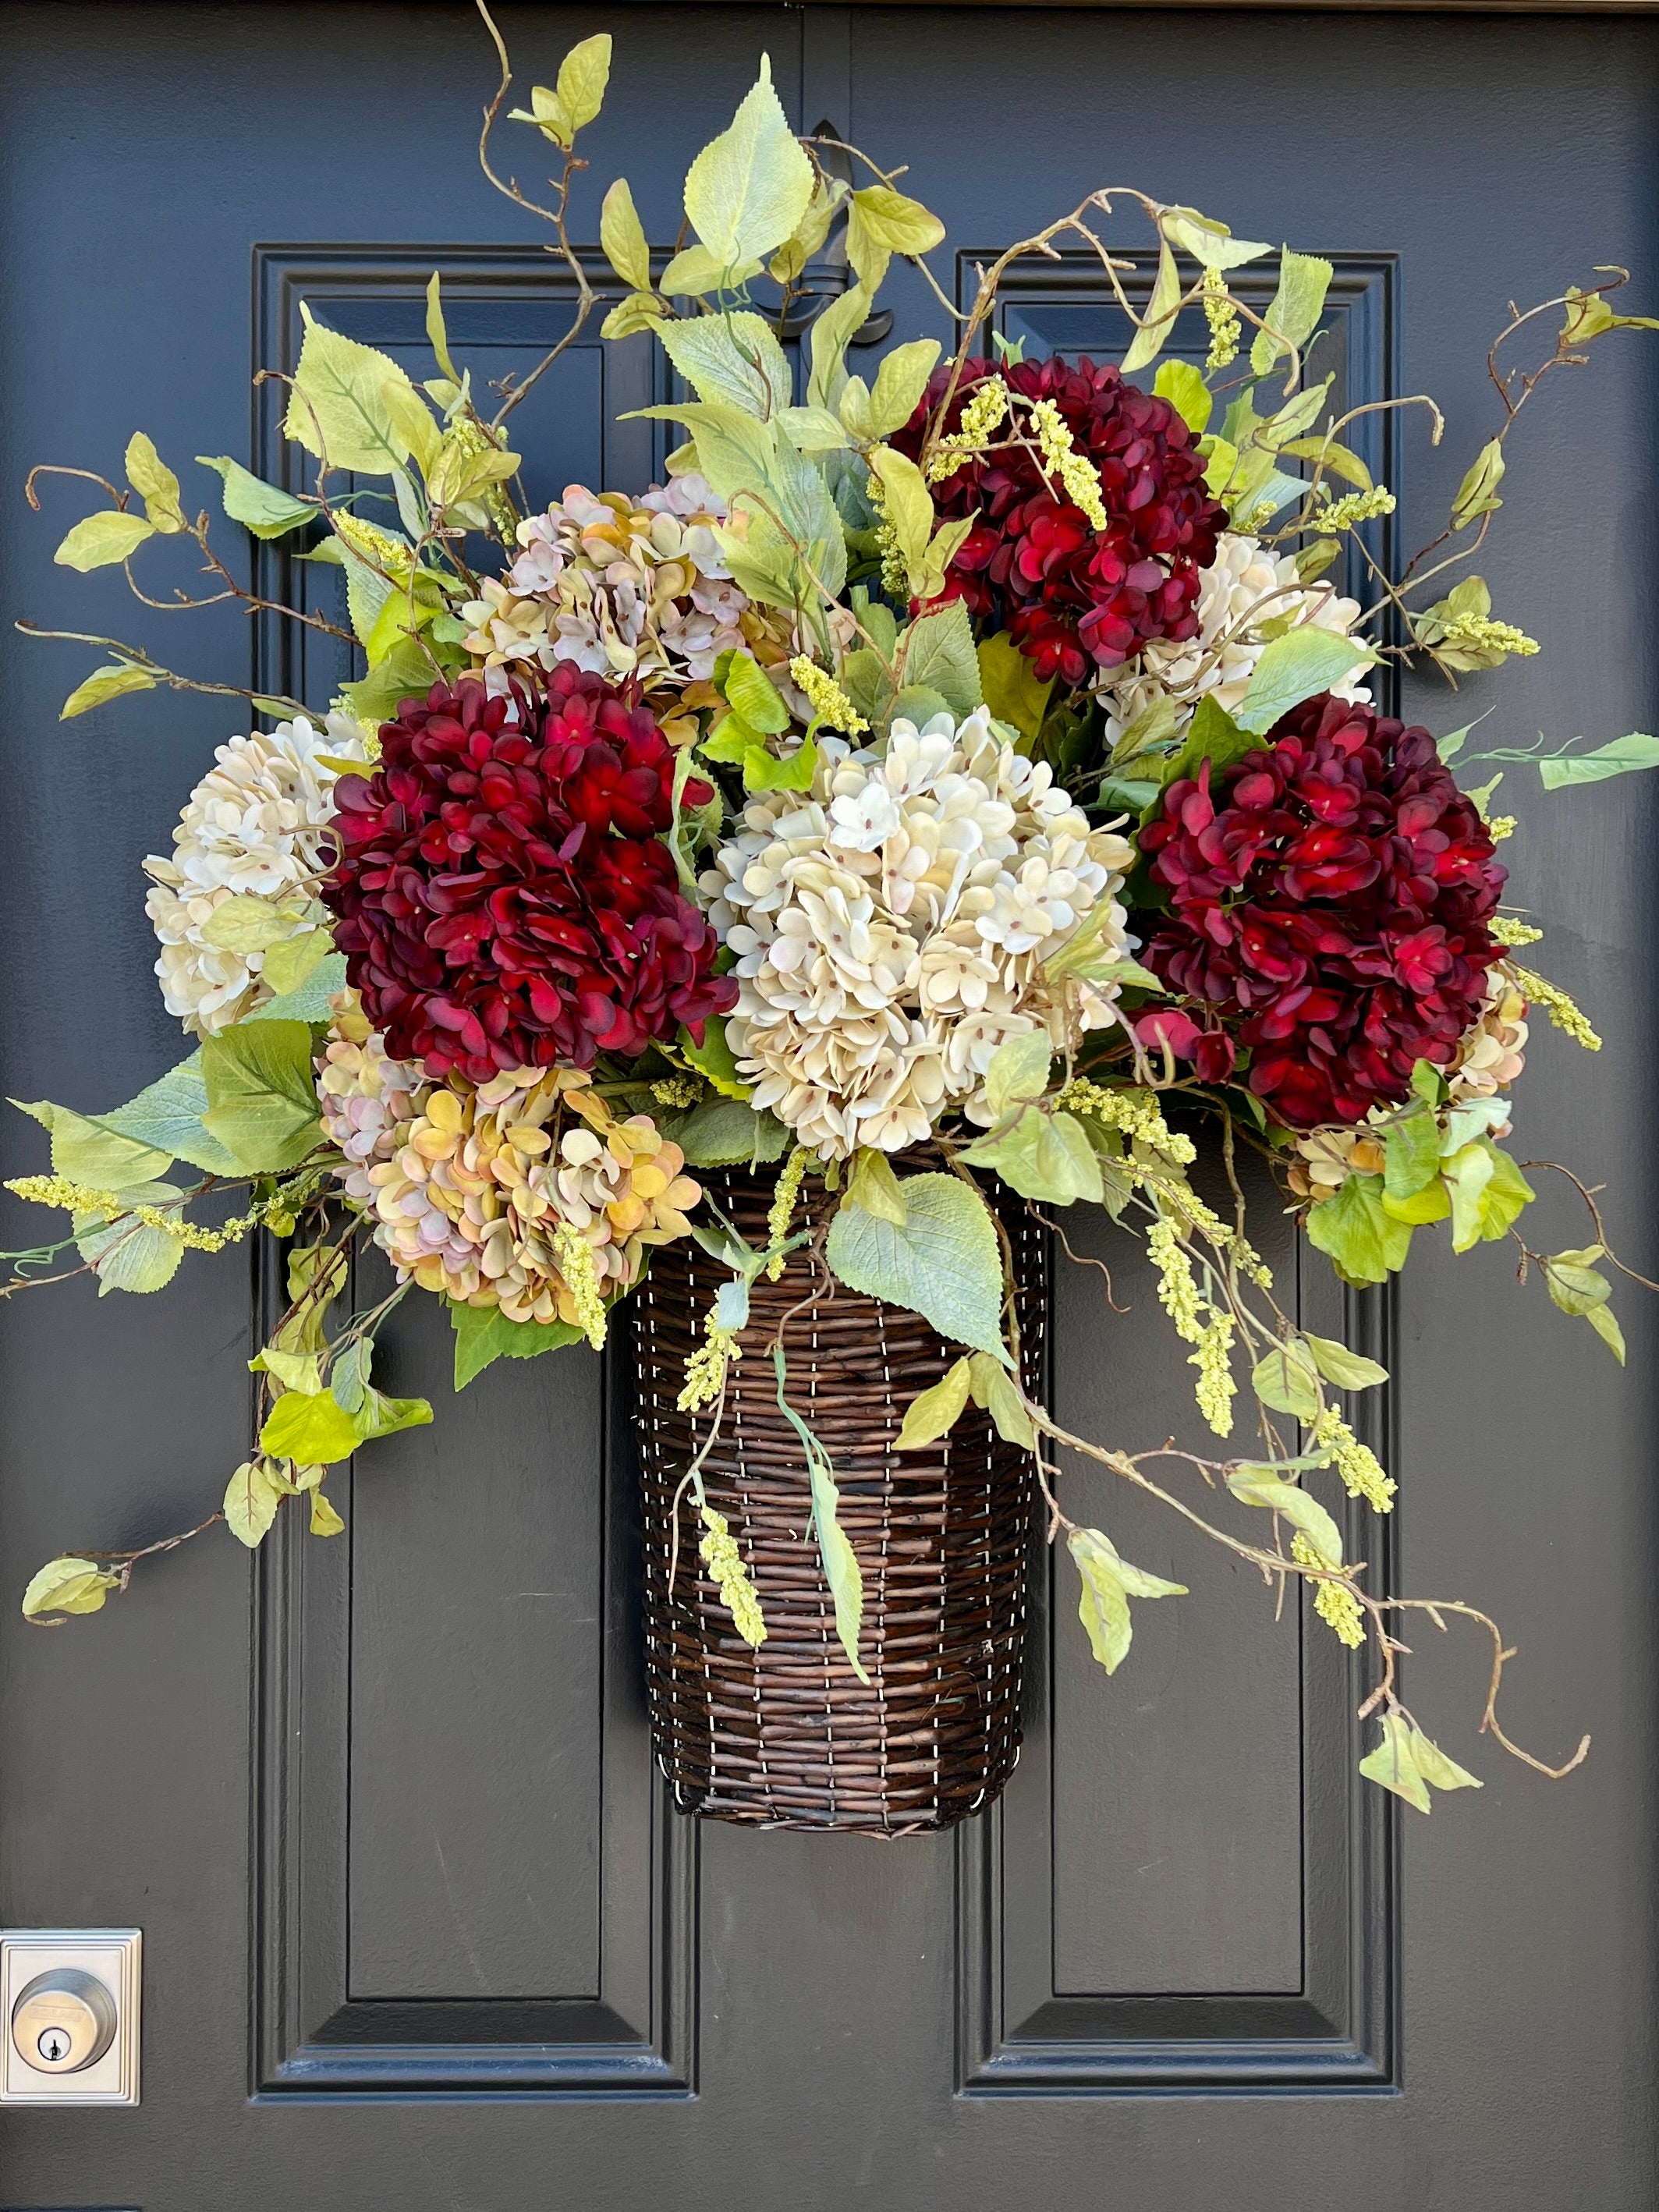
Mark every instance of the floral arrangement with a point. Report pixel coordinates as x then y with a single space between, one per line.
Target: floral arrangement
964 773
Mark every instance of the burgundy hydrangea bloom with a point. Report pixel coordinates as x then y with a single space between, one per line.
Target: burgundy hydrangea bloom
1073 599
1330 898
503 895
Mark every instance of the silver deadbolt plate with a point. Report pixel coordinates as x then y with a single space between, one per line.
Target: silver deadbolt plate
69 2015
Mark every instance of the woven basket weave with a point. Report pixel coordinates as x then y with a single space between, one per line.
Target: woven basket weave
785 1735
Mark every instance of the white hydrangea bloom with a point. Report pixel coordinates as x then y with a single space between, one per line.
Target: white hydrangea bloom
892 927
1247 589
257 821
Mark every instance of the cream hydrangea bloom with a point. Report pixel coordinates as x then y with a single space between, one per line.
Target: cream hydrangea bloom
892 927
257 821
1247 595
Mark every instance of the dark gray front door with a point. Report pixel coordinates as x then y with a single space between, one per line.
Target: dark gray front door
419 1931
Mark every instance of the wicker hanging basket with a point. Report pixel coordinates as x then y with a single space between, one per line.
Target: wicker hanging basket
785 1735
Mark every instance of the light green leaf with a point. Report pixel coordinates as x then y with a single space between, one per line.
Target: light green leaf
113 681
287 963
1018 1072
168 1115
1347 1369
1618 757
1411 1151
86 1152
909 505
1150 339
251 1497
103 539
621 235
746 191
722 1132
378 1416
1293 668
128 1255
1211 244
68 1585
1009 685
1477 492
1601 1319
1287 1381
295 1370
993 1391
900 382
484 1334
1261 1485
337 408
348 1378
245 922
939 652
324 1521
831 334
1304 280
306 1001
1367 1244
1393 1763
1488 1193
405 673
1437 1770
813 430
933 1412
1107 1583
313 1429
841 1566
731 358
154 484
583 76
1184 387
1339 461
751 691
1297 416
1212 736
261 509
714 1058
873 1186
694 269
437 334
944 1263
899 224
790 260
640 310
1046 1156
262 1099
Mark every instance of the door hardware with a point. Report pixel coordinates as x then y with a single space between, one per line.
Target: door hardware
69 2017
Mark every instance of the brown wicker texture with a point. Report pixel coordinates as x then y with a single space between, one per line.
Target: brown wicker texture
786 1737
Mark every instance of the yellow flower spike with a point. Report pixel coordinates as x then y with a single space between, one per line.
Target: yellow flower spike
1339 1608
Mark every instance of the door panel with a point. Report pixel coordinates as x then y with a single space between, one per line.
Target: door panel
419 1929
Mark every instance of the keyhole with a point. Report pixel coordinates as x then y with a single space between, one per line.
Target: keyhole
53 2045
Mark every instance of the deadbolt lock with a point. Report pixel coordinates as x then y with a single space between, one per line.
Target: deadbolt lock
62 2021
70 2002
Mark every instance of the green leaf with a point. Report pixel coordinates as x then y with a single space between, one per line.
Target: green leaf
261 509
1297 416
437 332
87 1151
723 1133
873 1186
245 922
1477 492
405 673
348 1380
745 191
583 76
296 1371
931 1413
1339 461
316 1276
1293 668
337 408
1393 1763
1618 757
1184 387
939 652
1153 333
1367 1244
68 1585
1601 1319
324 1521
484 1334
751 691
640 310
1018 1072
993 1391
313 1430
378 1416
1410 1152
128 1255
714 1058
1046 1156
899 224
1009 684
901 381
621 235
1347 1369
841 1565
733 358
168 1115
813 429
262 1099
1211 244
831 332
1212 736
1488 1193
154 484
287 963
1287 1381
910 504
251 1497
1261 1485
113 681
806 239
307 1001
1436 1769
1574 1286
103 539
1304 280
1108 1581
944 1262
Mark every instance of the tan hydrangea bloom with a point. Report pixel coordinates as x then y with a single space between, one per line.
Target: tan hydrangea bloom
892 927
257 821
1245 596
486 1183
370 1100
